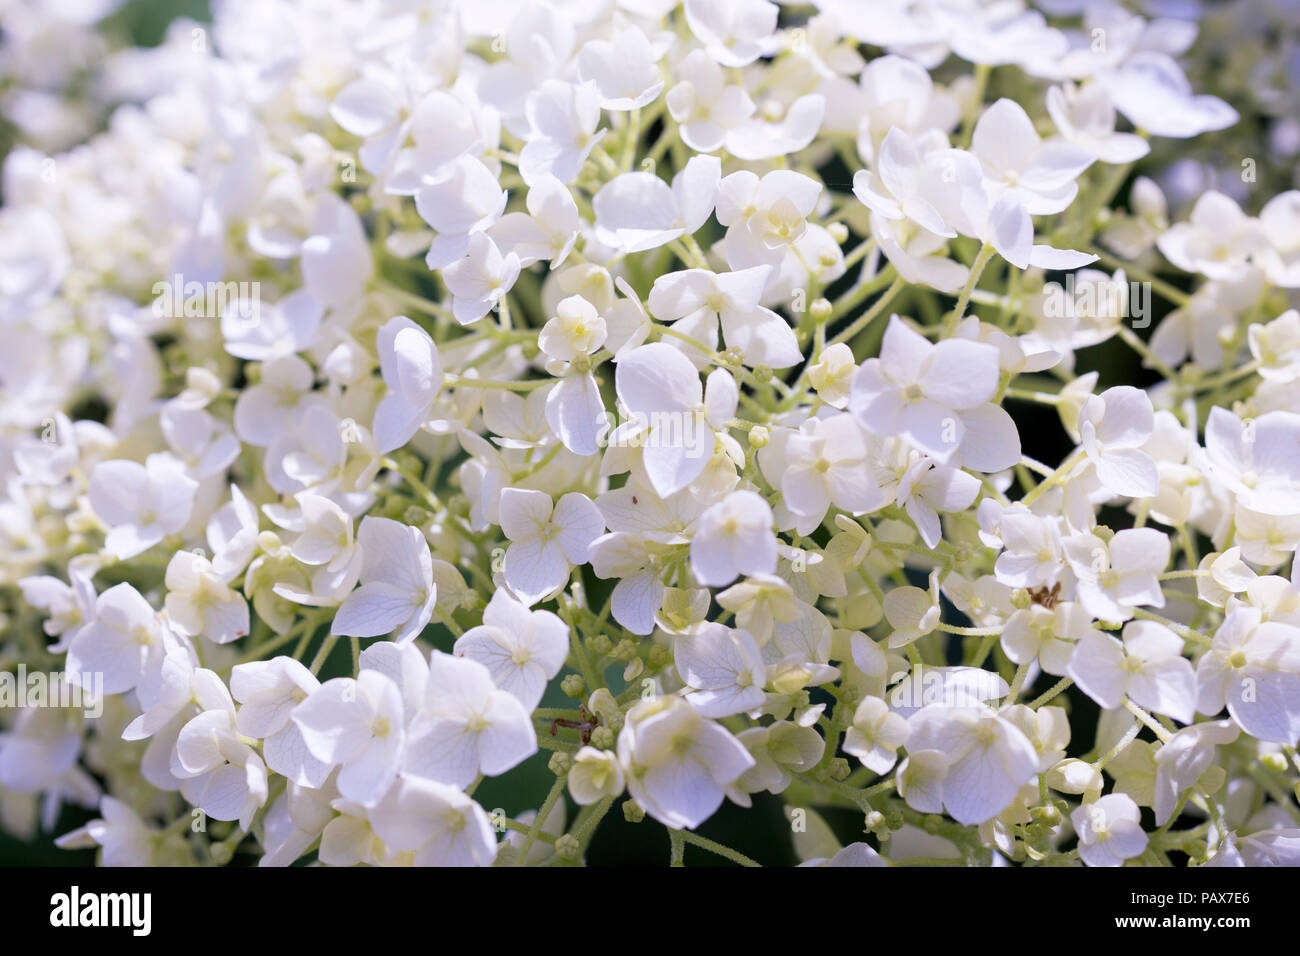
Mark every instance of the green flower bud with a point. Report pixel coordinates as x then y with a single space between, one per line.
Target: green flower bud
732 358
1047 815
560 763
222 853
659 657
415 516
1035 832
633 811
567 847
1274 761
850 696
269 542
625 650
506 855
573 685
408 462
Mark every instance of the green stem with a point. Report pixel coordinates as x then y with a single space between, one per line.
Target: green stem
676 848
326 646
704 843
963 298
1152 724
1060 687
862 321
557 791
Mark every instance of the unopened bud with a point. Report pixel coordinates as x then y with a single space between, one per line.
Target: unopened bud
1048 815
567 847
269 542
659 657
560 763
1274 761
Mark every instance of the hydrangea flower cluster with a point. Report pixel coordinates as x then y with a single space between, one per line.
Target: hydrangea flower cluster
396 393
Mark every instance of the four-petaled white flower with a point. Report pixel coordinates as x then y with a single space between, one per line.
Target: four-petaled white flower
141 504
220 772
1253 667
546 539
268 692
1117 576
466 725
123 638
639 211
1258 460
920 390
522 649
357 724
623 70
677 762
1147 667
723 667
1110 830
732 538
435 823
1115 425
673 418
988 758
199 602
397 592
875 735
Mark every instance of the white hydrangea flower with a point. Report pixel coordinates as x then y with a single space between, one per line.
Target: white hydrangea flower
1110 830
782 385
397 593
678 763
